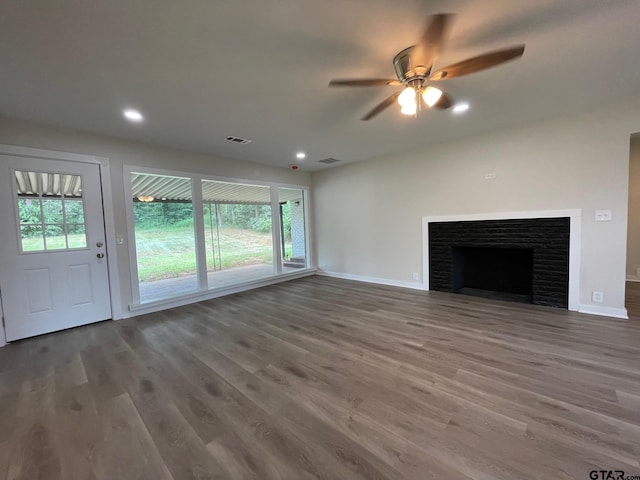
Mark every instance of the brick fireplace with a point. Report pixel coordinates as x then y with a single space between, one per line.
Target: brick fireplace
531 260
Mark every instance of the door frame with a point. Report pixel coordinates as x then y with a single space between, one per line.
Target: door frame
115 300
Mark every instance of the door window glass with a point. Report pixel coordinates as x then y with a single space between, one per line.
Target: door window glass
50 208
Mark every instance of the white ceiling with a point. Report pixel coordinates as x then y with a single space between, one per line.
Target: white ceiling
201 70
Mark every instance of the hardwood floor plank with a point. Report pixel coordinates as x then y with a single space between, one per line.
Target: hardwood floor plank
249 418
8 413
184 453
104 381
246 414
523 451
193 403
237 459
35 452
70 372
6 449
242 458
128 447
75 424
341 408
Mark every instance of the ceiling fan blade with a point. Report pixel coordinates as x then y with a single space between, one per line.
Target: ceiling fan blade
427 49
478 63
386 103
364 82
444 102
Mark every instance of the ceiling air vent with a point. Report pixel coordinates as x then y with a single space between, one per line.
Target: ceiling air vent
241 141
329 160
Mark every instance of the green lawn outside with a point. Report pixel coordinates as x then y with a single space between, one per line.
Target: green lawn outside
35 244
170 252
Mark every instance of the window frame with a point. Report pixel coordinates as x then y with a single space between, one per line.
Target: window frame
199 231
43 224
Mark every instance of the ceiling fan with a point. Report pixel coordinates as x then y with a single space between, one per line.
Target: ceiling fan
414 65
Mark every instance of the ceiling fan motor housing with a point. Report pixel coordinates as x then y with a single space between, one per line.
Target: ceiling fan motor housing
405 70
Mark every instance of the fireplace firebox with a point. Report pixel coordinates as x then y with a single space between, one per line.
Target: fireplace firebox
501 273
522 260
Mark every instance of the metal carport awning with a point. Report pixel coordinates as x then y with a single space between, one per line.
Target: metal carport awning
178 189
34 184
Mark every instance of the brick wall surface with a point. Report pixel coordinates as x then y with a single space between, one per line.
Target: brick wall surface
548 237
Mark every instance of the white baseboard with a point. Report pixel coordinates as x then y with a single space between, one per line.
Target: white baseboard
380 281
632 278
604 311
620 313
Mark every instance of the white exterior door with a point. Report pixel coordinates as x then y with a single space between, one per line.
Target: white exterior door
53 268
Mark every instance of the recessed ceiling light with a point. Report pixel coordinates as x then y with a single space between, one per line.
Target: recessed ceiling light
300 155
133 115
460 108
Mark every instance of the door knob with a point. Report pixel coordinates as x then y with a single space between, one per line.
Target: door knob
99 244
100 255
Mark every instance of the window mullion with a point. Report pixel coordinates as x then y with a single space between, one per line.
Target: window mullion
198 223
275 230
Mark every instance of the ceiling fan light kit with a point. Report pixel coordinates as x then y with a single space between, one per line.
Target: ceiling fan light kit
431 95
409 109
413 67
407 97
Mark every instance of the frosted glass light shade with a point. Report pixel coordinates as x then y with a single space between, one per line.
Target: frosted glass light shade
409 108
431 95
407 97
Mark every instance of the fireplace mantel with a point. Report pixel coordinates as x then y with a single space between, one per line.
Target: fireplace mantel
575 216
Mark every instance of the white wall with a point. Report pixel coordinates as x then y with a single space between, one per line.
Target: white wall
121 152
368 214
633 224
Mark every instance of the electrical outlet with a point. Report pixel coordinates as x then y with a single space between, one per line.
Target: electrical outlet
597 297
603 215
489 176
415 276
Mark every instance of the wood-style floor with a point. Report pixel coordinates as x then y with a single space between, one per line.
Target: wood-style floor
632 300
321 378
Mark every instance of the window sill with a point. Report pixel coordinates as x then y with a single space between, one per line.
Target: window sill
163 304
